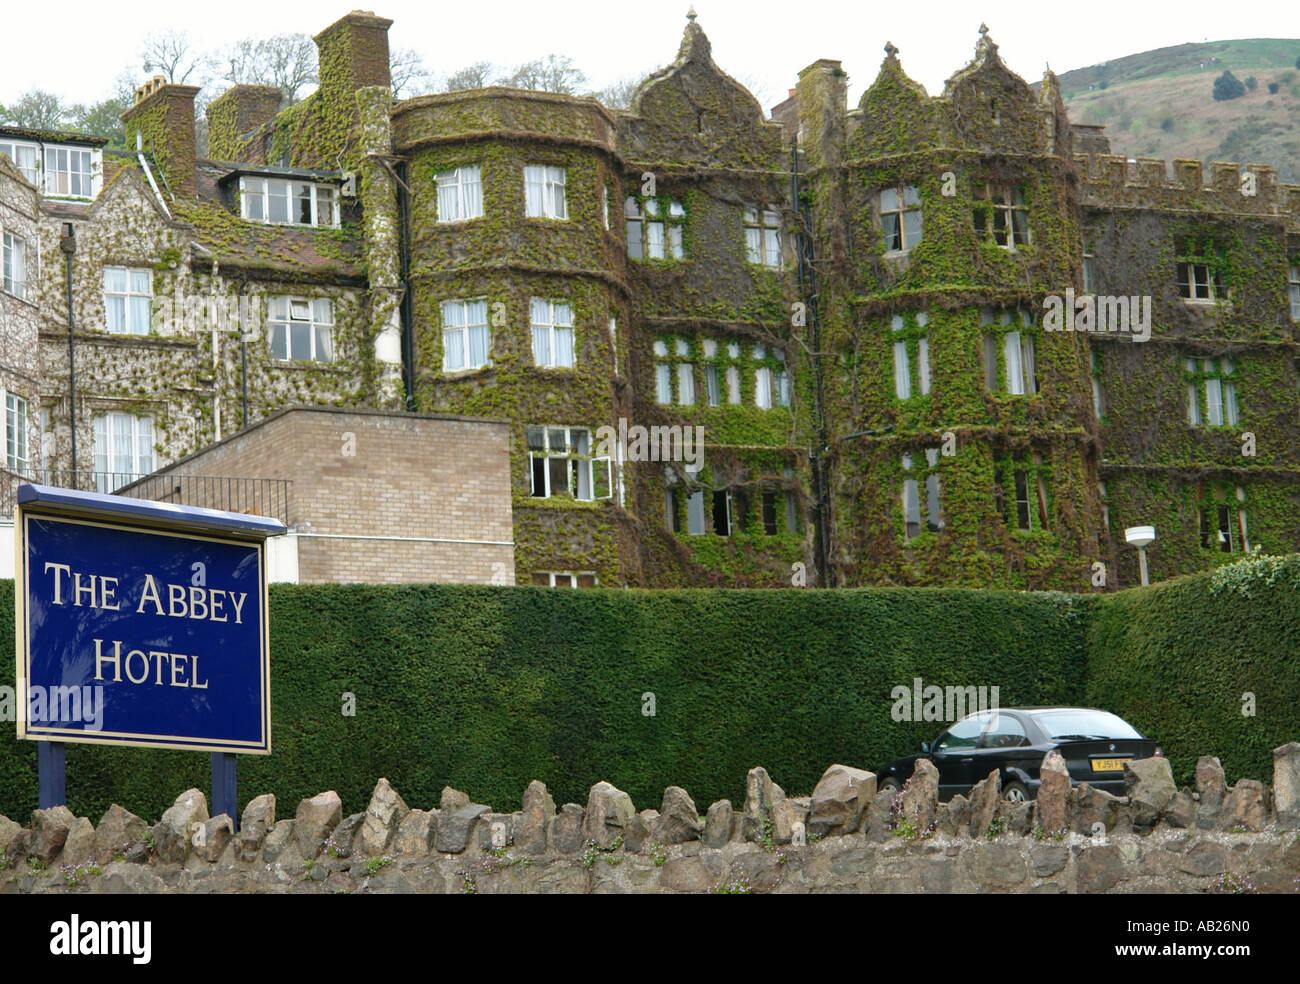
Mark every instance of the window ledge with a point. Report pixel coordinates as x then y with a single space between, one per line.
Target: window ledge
462 373
306 364
20 300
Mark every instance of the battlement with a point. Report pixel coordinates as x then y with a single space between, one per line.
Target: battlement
1112 180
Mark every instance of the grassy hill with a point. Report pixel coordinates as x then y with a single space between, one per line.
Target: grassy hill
1159 103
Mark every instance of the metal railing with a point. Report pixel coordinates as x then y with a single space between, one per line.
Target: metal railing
252 496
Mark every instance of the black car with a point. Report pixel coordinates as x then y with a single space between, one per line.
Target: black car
1095 745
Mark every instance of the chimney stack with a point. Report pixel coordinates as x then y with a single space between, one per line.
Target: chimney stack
163 117
354 53
234 115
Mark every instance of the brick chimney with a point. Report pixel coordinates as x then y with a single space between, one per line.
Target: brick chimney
354 53
163 117
234 115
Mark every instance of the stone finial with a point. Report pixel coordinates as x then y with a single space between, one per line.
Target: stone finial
984 30
890 50
691 15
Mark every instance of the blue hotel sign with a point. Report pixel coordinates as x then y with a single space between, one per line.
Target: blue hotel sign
141 623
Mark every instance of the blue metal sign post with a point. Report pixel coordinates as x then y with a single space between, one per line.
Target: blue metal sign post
141 623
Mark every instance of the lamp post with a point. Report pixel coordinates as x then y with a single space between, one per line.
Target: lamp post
1141 537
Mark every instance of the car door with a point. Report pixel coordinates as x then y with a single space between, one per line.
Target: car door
999 745
954 754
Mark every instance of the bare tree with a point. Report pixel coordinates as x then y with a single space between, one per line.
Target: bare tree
476 76
410 76
36 109
286 61
619 94
554 73
171 54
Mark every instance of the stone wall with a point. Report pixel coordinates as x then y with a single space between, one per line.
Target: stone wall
846 837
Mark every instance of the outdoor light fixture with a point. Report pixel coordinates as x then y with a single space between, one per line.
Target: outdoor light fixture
1141 537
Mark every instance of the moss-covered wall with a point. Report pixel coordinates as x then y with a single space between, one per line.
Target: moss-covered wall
697 140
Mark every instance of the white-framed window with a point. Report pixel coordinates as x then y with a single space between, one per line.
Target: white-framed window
912 482
544 193
278 201
763 236
16 456
911 344
564 579
900 217
123 449
604 205
1294 287
1211 392
1015 345
552 323
24 157
1001 214
69 172
128 300
695 513
466 338
1094 362
15 265
460 194
781 381
654 230
1199 282
1028 483
560 463
1223 524
1089 259
301 329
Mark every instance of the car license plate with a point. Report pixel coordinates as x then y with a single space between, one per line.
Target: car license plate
1110 765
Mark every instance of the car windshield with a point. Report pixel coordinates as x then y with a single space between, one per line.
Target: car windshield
1084 724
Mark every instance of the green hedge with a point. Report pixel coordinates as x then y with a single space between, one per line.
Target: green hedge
1176 659
487 688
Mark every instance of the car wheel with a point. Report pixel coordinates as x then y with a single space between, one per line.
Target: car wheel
890 783
1015 792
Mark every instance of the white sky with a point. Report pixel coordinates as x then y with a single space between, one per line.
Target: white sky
763 42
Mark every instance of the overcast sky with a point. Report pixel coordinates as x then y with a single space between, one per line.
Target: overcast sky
77 48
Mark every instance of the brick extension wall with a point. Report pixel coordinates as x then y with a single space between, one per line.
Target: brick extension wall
411 477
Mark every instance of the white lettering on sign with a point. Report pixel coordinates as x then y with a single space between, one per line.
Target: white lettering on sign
82 590
183 670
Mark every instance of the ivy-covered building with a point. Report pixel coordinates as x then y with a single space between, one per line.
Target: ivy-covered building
814 347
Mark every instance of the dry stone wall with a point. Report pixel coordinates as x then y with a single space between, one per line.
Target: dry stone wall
847 836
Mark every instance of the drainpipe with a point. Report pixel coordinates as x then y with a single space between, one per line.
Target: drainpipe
243 352
408 337
68 243
818 456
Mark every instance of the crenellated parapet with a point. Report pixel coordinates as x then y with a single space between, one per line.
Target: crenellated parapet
1115 181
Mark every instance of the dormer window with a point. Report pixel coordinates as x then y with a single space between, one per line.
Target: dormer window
68 172
23 157
59 171
278 201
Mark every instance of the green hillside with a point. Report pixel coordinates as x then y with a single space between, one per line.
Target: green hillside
1160 104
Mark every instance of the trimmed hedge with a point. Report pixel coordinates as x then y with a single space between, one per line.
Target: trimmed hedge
486 688
1176 659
